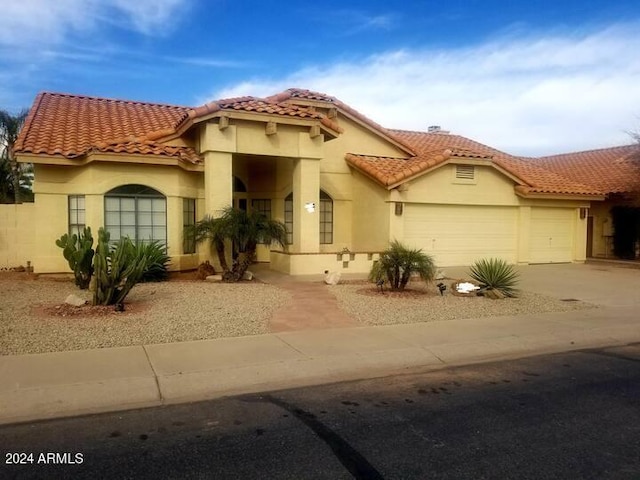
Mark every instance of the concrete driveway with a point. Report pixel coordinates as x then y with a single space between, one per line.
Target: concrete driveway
604 284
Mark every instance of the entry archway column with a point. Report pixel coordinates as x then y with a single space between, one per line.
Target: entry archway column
306 192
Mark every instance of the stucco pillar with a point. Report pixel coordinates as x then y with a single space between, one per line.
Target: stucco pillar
174 226
524 234
306 190
218 181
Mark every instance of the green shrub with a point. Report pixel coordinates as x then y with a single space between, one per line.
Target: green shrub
495 274
117 269
398 263
158 260
78 251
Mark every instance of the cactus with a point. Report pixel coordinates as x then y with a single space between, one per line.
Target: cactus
78 251
117 269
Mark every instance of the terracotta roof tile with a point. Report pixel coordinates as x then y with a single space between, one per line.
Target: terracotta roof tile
392 171
298 93
535 177
186 154
69 125
612 170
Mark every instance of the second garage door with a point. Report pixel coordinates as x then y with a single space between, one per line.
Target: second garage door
460 235
552 231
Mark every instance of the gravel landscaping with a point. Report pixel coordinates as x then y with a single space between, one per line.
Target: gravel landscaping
32 320
156 313
425 304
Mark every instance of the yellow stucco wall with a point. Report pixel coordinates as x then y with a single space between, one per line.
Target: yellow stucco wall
602 229
490 187
17 236
53 184
370 227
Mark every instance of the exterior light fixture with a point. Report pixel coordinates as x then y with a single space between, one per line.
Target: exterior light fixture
310 207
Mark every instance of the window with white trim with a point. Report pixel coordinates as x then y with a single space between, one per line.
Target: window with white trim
76 214
137 212
188 221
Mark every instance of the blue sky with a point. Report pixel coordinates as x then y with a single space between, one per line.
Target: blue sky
531 78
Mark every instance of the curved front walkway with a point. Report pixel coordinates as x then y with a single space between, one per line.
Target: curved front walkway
312 305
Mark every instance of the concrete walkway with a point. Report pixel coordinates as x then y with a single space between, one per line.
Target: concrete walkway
72 383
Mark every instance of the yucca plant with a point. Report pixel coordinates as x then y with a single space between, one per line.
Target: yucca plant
495 274
398 263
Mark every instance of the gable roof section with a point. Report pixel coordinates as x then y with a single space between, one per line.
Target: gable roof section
611 170
433 149
293 95
72 126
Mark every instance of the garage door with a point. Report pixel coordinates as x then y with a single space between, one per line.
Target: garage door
460 235
552 231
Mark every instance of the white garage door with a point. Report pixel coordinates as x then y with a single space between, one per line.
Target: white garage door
552 231
460 235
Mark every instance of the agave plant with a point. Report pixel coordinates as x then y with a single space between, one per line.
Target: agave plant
157 260
495 274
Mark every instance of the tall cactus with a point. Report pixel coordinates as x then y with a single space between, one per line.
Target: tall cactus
117 269
78 251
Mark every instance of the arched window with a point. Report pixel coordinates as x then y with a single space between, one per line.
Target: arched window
137 212
326 218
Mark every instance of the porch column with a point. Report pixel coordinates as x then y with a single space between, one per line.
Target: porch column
306 190
218 181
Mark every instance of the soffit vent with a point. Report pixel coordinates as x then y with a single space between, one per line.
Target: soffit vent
466 172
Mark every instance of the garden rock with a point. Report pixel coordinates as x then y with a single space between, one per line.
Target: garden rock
75 300
214 278
247 275
332 278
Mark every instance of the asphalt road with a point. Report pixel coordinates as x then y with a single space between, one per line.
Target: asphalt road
574 415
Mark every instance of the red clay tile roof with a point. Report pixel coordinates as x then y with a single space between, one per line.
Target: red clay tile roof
612 170
73 125
435 148
299 93
186 154
70 125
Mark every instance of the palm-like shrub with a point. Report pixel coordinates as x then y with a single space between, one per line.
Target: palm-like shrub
398 263
244 230
495 274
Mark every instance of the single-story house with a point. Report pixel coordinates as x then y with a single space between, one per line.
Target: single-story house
148 170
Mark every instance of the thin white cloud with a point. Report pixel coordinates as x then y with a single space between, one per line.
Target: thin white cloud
26 23
530 95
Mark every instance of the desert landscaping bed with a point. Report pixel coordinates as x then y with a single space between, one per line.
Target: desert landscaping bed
32 319
423 303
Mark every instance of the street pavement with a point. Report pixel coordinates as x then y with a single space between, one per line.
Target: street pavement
90 381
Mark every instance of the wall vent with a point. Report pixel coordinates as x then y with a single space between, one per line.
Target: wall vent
466 172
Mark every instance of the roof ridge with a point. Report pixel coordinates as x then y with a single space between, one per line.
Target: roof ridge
592 150
112 99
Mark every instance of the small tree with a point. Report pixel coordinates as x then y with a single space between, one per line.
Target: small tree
244 230
14 184
398 263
